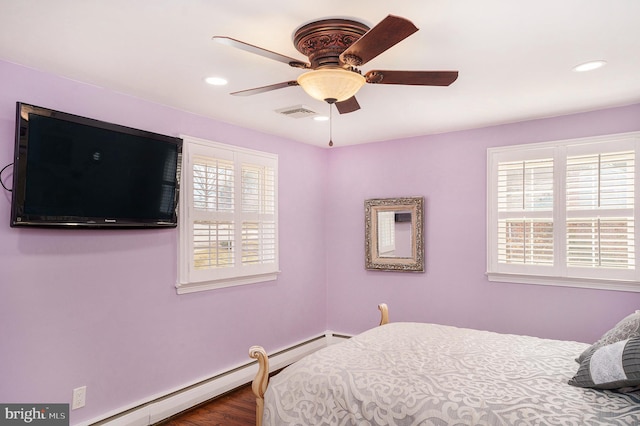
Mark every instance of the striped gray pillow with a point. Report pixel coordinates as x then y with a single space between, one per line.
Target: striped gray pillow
612 366
628 327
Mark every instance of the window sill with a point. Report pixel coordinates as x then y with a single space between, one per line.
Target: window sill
599 284
185 288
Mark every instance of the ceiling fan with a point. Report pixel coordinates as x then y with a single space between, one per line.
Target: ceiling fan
335 48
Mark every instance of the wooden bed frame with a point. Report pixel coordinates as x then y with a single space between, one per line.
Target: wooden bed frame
260 382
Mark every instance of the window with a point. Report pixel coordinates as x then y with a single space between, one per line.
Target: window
228 216
563 213
386 233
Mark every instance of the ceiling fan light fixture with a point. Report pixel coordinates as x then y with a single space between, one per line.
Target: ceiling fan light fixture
335 84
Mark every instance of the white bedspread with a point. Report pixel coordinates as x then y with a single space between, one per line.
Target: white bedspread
426 374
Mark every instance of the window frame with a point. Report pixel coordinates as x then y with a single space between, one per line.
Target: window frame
561 274
189 279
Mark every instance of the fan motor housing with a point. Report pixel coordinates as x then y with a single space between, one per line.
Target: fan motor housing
323 41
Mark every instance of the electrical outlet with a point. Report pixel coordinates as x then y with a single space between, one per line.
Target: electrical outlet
79 396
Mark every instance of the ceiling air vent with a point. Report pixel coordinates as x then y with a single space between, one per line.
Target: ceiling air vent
296 111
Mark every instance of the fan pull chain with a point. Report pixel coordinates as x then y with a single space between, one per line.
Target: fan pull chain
330 125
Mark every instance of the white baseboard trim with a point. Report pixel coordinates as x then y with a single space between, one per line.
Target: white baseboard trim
165 405
333 337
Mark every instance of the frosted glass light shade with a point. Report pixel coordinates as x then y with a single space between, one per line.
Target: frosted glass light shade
335 84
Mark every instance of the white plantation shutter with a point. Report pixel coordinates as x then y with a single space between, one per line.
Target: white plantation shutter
600 210
525 208
228 223
213 184
213 204
601 243
563 213
258 204
258 242
525 241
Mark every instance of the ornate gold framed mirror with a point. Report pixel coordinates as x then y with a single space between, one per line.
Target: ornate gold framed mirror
394 239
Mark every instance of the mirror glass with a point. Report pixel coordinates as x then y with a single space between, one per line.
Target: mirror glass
393 234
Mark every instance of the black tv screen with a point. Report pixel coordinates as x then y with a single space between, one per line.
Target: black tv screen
72 171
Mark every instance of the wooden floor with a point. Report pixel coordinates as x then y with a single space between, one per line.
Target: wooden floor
237 408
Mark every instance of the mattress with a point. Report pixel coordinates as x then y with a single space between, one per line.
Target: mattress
428 374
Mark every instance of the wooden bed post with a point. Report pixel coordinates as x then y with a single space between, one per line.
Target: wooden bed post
259 384
384 311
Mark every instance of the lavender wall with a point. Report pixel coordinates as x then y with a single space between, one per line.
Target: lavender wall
99 308
449 170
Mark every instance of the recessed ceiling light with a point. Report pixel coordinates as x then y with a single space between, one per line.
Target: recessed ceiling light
216 81
321 118
589 66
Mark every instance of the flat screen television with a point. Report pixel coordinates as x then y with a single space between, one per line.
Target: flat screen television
72 171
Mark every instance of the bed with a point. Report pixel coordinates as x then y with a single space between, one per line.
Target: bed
428 374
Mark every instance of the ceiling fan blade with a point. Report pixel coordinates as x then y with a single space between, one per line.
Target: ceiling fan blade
349 105
389 32
260 51
263 89
415 78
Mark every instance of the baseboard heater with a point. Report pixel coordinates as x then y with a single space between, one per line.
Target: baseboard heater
171 403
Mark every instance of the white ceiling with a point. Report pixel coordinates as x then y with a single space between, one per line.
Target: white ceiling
515 58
